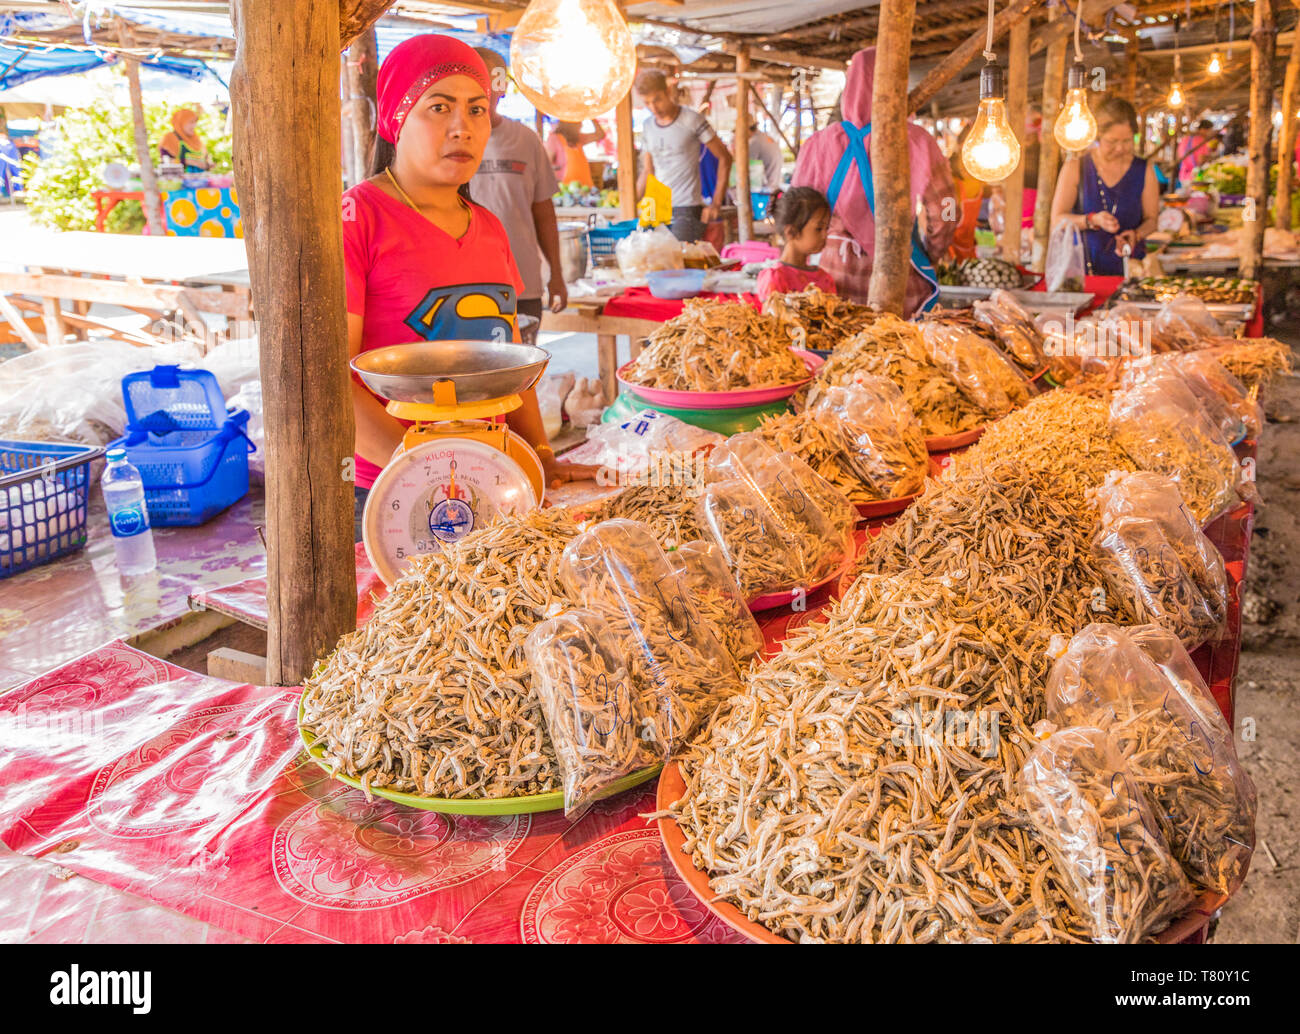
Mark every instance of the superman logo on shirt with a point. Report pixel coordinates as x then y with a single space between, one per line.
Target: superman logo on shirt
466 312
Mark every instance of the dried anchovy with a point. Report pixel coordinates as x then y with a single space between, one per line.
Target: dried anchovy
812 439
433 695
1061 441
668 511
893 348
1205 470
818 820
1163 581
1254 362
815 319
1001 538
589 701
1098 830
717 346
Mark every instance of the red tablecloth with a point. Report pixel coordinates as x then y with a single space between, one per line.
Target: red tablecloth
639 303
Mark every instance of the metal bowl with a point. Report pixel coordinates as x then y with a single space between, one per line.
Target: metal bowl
480 370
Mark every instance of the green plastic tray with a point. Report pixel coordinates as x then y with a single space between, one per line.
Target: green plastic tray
553 801
723 421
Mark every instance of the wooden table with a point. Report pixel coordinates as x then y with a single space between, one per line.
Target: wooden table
583 317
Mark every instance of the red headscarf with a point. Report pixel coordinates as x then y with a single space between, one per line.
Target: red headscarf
412 67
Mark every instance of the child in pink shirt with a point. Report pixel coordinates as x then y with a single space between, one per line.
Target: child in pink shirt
802 218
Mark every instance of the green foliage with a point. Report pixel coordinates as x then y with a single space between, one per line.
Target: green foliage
59 187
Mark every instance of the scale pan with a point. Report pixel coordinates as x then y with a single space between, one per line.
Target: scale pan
481 370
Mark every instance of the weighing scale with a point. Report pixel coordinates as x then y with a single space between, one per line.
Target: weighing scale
456 469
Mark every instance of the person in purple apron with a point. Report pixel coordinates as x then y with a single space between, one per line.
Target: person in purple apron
1109 192
837 162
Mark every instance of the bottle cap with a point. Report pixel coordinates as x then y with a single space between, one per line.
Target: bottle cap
117 452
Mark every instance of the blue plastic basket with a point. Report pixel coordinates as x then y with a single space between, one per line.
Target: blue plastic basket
191 451
602 240
44 490
760 202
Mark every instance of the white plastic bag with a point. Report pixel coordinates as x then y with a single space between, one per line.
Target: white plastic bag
1066 259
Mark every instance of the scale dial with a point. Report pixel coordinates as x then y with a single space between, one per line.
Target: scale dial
435 493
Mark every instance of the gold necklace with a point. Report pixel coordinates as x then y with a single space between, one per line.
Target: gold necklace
406 197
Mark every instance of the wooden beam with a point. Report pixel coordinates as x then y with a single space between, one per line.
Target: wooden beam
155 297
143 155
1131 50
286 168
1013 190
1286 140
626 142
744 206
778 93
791 58
20 325
965 52
798 119
355 17
1049 152
1263 40
363 74
890 166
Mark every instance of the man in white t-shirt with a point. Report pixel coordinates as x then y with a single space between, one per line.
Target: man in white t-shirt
670 147
516 183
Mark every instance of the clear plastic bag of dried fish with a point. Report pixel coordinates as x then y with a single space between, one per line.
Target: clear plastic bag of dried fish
817 320
1167 372
676 656
1164 429
1184 322
879 433
892 347
780 526
589 699
1209 380
1014 328
717 346
1149 574
978 369
702 569
817 442
1093 818
1140 685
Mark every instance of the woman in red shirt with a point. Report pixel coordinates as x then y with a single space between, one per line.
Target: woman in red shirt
424 262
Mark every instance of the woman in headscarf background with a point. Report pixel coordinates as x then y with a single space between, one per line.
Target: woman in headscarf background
183 145
423 262
837 161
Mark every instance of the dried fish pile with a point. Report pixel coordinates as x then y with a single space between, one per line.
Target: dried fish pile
994 534
980 371
815 319
1204 467
1098 828
1060 440
668 510
835 798
1255 361
810 437
433 695
717 346
893 348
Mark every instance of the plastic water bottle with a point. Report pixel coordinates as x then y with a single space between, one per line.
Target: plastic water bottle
127 515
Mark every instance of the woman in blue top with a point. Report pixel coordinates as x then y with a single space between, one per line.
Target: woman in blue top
1109 192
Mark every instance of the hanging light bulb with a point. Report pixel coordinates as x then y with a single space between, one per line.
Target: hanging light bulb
1216 64
1075 127
1176 98
573 59
991 151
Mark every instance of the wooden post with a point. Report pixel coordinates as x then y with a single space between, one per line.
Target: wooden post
798 120
891 169
363 76
1286 138
1263 46
744 207
148 179
350 173
284 92
1049 151
1013 190
1131 66
627 198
